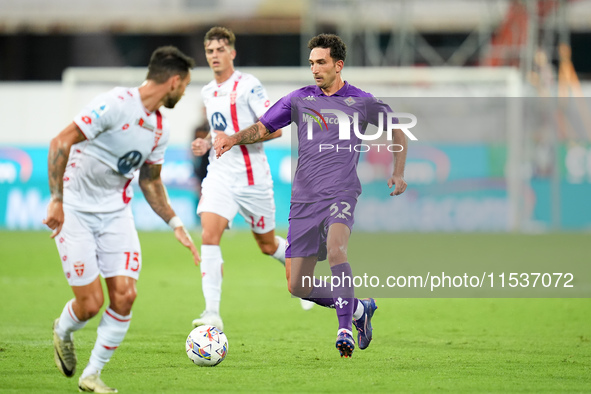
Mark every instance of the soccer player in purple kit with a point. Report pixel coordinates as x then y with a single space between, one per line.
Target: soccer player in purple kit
325 186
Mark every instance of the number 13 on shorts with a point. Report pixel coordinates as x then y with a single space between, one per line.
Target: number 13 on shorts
132 261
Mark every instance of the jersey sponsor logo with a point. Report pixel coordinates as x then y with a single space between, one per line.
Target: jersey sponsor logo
218 121
142 123
267 103
316 116
125 126
86 119
259 92
309 98
128 161
100 111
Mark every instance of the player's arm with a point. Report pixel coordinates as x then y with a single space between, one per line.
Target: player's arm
59 152
155 194
272 136
397 178
201 145
255 133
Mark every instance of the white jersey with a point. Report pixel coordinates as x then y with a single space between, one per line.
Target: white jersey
232 106
121 135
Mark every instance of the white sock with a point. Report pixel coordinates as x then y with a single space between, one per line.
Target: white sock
280 252
68 322
358 313
211 276
344 330
110 334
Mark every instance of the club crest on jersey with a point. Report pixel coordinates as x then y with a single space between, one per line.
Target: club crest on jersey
79 268
142 123
349 101
218 121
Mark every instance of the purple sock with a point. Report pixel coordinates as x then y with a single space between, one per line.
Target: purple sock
321 294
343 294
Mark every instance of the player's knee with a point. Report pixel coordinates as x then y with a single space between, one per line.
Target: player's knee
297 289
90 307
336 254
121 302
300 292
210 237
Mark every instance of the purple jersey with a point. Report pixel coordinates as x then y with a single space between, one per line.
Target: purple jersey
327 163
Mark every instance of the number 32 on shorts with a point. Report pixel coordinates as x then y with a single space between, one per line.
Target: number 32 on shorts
132 261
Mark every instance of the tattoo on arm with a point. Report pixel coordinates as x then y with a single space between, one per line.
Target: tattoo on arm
154 191
252 134
57 161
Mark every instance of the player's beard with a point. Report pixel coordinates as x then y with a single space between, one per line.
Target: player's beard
171 100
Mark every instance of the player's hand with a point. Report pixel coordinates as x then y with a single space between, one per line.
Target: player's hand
55 216
399 184
200 146
222 144
184 237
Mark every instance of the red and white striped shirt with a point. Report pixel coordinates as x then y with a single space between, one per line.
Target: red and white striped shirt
232 106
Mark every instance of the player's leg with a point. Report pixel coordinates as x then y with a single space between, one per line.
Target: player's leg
111 331
77 249
342 285
340 224
271 245
257 206
120 262
217 208
211 268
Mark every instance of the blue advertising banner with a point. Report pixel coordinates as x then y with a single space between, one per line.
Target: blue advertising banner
451 188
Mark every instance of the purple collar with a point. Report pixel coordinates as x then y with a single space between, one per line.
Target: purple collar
341 92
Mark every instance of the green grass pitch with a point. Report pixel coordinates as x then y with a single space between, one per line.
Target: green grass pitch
420 345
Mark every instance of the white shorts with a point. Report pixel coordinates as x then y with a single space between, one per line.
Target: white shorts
254 203
98 243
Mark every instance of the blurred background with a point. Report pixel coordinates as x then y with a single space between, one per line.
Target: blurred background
518 70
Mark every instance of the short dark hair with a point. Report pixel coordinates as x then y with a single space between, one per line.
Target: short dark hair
167 62
338 49
220 33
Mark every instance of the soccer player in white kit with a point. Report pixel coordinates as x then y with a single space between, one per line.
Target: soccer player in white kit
91 165
240 182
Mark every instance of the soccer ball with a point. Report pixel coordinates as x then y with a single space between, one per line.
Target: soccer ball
207 346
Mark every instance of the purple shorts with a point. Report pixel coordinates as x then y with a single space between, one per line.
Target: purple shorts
309 223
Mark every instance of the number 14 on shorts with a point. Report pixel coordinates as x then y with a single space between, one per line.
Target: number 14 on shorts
260 223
